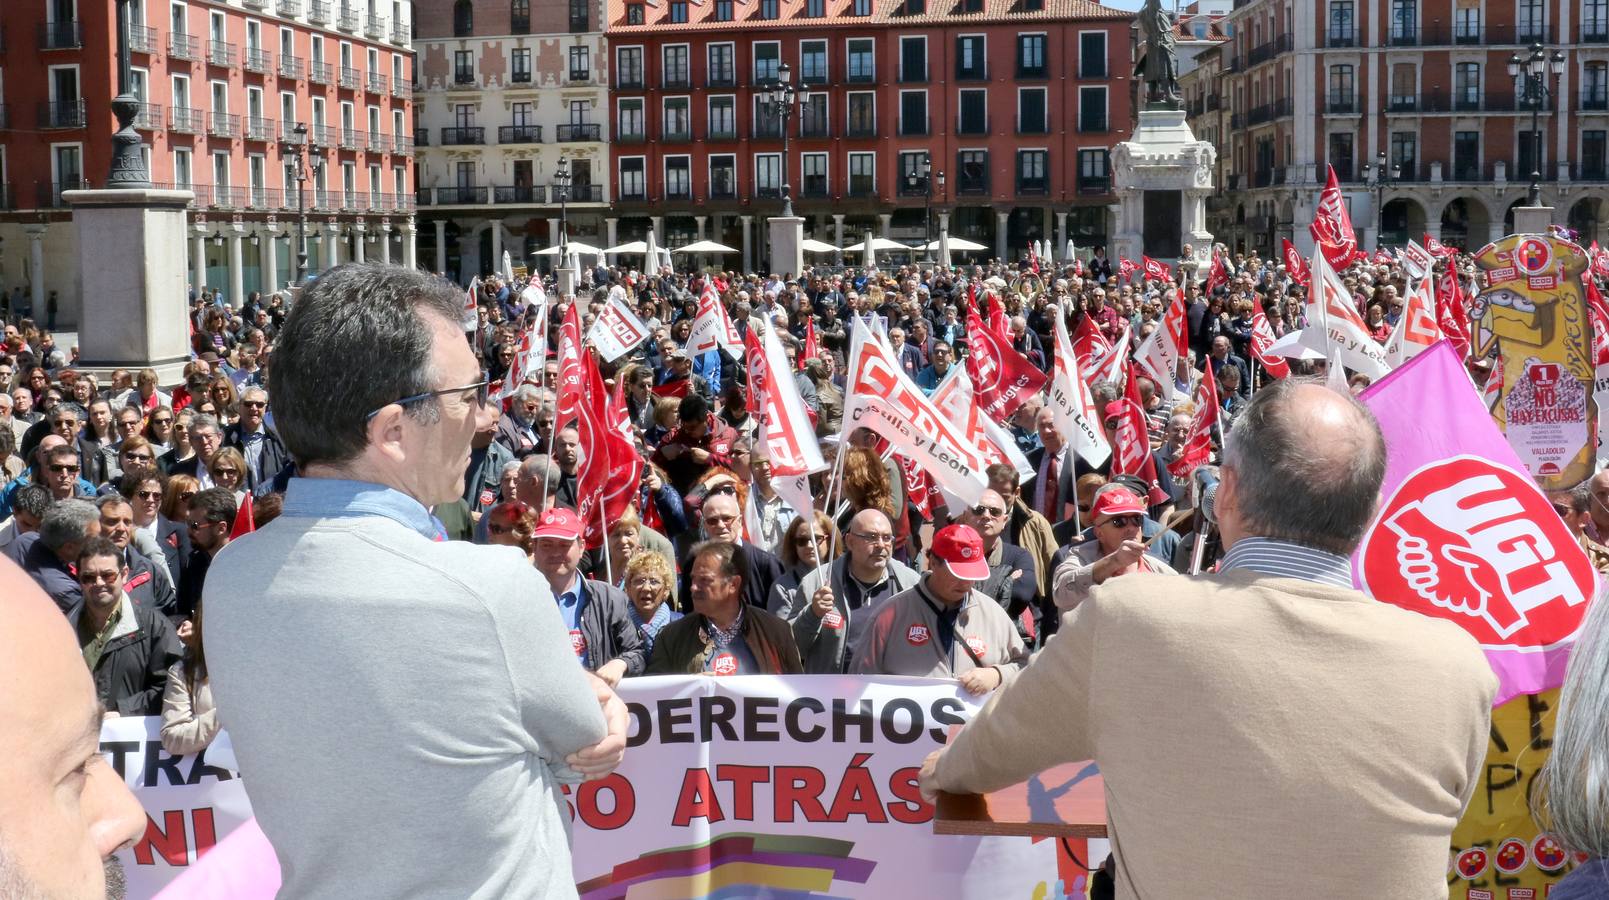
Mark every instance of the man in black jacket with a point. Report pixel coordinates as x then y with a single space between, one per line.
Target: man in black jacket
212 514
723 521
597 615
128 648
265 453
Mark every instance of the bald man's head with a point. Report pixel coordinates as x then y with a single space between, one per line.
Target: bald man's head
1303 464
63 808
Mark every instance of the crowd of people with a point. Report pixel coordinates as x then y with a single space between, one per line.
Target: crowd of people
122 494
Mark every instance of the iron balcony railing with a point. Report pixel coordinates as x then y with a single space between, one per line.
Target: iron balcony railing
259 60
319 73
463 134
319 11
570 133
61 35
183 46
223 125
519 134
142 39
185 119
350 77
62 114
221 53
290 66
149 118
259 128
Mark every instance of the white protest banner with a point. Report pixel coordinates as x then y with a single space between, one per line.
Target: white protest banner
735 787
878 395
617 330
712 328
1073 404
1417 260
956 398
1333 319
191 802
1416 329
786 437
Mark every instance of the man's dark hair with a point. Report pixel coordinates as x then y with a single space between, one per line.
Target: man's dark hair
66 523
364 318
61 451
33 499
1000 472
1290 486
98 546
218 503
693 408
725 554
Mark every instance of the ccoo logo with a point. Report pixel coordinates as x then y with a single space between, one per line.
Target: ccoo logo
1476 543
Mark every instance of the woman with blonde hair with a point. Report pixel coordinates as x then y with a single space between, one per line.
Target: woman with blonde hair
228 470
646 579
866 485
226 398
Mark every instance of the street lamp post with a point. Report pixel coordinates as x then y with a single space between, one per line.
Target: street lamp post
779 96
1535 68
128 166
561 186
1383 176
297 159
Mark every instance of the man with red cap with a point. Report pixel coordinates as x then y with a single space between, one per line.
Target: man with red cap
1116 548
944 628
598 615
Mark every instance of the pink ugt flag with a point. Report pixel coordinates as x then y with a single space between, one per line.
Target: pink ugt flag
1462 533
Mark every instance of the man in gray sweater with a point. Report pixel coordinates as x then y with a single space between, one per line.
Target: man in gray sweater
407 708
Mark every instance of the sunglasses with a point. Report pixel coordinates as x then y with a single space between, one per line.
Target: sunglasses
1126 521
99 577
162 420
59 468
992 512
480 388
148 495
255 404
229 471
1562 510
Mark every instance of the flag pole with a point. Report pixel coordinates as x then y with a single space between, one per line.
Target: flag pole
608 567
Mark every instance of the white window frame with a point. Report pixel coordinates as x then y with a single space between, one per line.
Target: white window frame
1042 89
664 173
55 168
1106 42
826 54
1106 104
190 165
782 172
663 69
620 172
826 169
50 87
709 174
729 45
899 54
754 57
899 126
709 113
212 96
849 55
985 38
849 170
664 102
848 95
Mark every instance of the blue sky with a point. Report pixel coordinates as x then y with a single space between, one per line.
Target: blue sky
1122 4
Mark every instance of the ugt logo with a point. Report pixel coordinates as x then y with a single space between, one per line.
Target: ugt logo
1474 542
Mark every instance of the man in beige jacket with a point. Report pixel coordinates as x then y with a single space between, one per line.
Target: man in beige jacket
1268 729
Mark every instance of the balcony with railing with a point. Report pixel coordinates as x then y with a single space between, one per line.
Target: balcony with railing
1266 51
225 197
861 129
862 186
402 145
1595 31
323 136
579 76
463 78
676 134
149 117
585 193
1268 112
913 126
400 33
259 61
458 135
519 134
185 119
352 139
376 82
288 135
259 128
1343 36
49 193
319 73
402 90
141 39
461 195
326 199
1438 34
1039 125
676 80
67 35
347 19
723 188
319 11
258 5
223 125
1339 103
1094 184
1596 171
815 128
351 78
374 26
721 77
259 197
972 186
1402 103
290 66
579 132
421 137
1033 187
1097 123
183 46
290 8
520 193
221 53
62 114
1594 100
721 132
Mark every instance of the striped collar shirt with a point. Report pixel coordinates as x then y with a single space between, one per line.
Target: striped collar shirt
1285 559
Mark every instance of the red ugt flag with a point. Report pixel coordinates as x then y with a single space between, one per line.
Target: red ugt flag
1154 269
1197 449
1126 267
1218 275
1004 379
1332 226
1295 264
1262 337
1132 454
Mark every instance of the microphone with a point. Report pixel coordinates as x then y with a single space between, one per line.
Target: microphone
1204 487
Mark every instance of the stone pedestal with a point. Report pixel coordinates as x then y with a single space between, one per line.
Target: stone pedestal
567 279
787 245
134 302
1532 219
1164 164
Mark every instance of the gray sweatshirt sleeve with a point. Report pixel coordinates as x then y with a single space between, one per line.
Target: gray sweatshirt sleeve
555 700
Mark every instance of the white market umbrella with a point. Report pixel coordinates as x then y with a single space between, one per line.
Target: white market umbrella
571 247
811 245
508 267
1072 252
944 249
956 244
704 247
629 247
652 251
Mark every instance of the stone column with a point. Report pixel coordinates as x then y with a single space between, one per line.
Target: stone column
1000 219
360 236
385 244
658 224
748 245
1061 236
237 268
270 260
497 246
36 269
198 262
410 245
441 245
885 222
838 229
611 226
942 254
333 241
1045 224
701 221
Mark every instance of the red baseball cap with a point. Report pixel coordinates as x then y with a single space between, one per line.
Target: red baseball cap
559 523
961 549
1114 503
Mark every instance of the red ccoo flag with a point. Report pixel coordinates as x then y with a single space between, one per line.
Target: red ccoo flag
1262 337
1332 226
1154 270
1197 449
1131 451
245 519
1295 264
1218 274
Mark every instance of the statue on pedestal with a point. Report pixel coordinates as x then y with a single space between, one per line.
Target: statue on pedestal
1160 64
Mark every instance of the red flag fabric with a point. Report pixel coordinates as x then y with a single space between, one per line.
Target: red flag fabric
1126 267
1437 248
610 468
676 388
1197 449
1598 312
811 348
1218 274
1383 258
918 486
245 519
998 323
1033 258
1154 270
1004 379
570 374
1599 261
1332 225
1295 264
1089 344
1452 313
1262 337
1132 453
